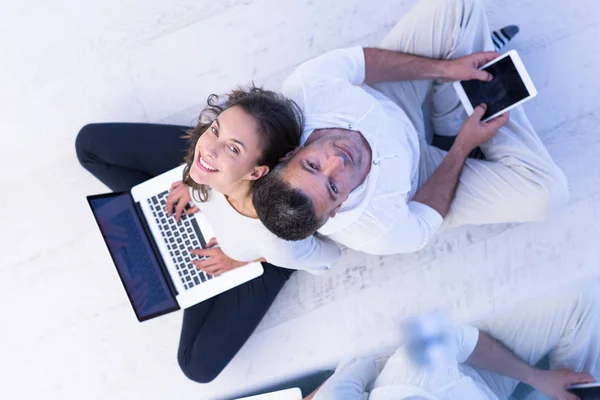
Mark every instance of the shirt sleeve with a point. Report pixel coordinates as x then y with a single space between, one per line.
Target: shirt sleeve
316 254
466 340
351 380
412 230
344 64
324 75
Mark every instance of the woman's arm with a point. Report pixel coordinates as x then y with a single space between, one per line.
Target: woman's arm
216 261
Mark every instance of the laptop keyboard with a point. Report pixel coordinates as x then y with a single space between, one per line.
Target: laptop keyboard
180 238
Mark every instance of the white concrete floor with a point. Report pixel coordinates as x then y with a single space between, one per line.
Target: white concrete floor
67 328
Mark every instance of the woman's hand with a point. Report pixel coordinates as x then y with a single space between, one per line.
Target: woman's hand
179 194
216 262
467 68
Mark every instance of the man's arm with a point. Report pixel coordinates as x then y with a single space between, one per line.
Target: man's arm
438 192
387 65
491 355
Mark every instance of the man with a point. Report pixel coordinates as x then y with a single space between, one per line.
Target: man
491 361
366 175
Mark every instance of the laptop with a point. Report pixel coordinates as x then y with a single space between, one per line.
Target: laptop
288 394
151 251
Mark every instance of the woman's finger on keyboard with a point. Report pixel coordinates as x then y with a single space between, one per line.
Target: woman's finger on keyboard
212 242
192 210
214 271
171 199
203 264
205 252
179 209
176 184
211 269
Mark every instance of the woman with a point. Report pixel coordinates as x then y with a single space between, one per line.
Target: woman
234 144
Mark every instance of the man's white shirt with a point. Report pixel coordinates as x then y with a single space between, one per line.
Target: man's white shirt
379 216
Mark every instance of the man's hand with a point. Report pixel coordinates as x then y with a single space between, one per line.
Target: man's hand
467 68
180 195
438 192
217 261
555 383
475 132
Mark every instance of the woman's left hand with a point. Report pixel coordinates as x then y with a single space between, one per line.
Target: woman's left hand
178 198
216 262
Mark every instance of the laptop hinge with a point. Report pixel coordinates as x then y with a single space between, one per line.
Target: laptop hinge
138 209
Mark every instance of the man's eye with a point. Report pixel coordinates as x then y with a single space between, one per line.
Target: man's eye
312 165
214 130
334 188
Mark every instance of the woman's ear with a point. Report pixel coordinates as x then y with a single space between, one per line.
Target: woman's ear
259 172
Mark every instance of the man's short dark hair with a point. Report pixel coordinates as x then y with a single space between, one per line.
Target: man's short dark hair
284 210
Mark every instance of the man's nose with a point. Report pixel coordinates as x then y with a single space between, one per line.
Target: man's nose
334 164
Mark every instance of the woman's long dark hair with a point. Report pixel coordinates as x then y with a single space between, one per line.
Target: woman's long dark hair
279 122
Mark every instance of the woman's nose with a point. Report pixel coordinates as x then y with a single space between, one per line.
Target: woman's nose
211 151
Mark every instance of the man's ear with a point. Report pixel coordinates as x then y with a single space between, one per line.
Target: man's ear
290 154
259 172
335 210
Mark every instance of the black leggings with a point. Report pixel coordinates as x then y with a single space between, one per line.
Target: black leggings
123 155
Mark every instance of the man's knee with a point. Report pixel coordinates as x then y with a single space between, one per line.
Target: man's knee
546 197
463 5
83 142
589 297
462 8
556 192
560 191
201 371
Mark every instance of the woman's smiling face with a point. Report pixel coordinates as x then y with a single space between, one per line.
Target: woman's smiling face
228 151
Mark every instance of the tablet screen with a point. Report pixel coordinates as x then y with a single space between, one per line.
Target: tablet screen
504 90
592 392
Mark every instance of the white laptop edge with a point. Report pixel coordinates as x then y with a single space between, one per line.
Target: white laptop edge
187 298
288 394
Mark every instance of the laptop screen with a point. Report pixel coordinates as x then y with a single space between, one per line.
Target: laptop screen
133 255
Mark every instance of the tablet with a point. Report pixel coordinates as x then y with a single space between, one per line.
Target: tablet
586 391
510 87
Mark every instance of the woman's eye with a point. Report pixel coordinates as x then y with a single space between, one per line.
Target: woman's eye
234 149
334 188
214 130
312 165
